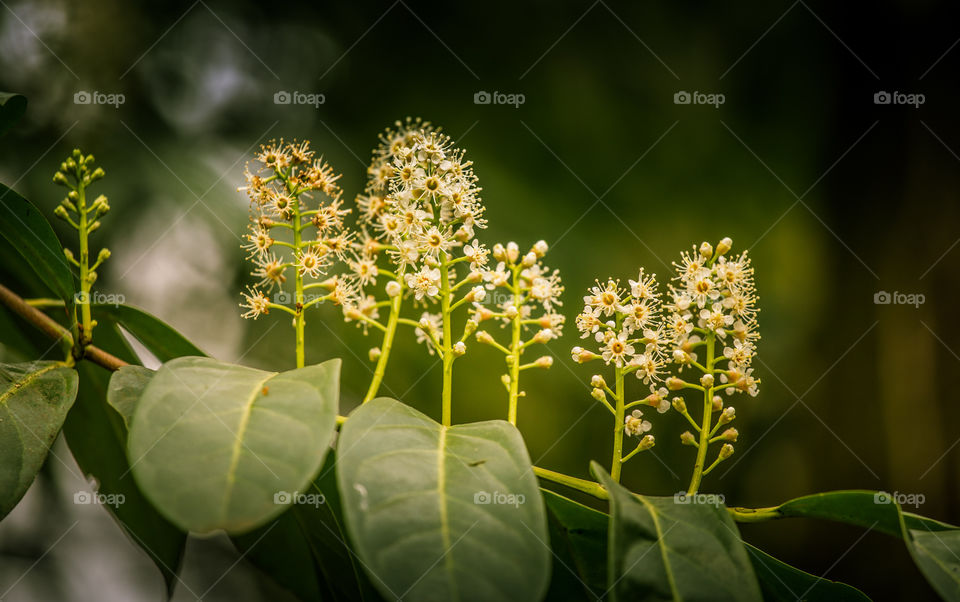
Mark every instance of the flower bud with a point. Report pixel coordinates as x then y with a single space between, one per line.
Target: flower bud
474 276
706 249
97 174
726 451
483 313
511 312
540 248
499 253
513 252
647 442
470 327
459 348
529 259
543 336
675 384
545 321
679 405
730 434
728 415
426 324
598 394
59 178
724 245
393 288
477 293
581 355
374 354
597 381
706 380
68 253
717 403
484 337
103 255
686 438
60 212
544 361
505 379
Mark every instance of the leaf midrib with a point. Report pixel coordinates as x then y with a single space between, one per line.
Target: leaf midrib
238 441
26 380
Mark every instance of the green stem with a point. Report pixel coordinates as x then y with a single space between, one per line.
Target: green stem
385 348
298 319
447 348
619 414
86 327
705 427
515 351
589 487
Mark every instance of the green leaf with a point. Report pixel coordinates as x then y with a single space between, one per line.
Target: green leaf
578 538
126 387
34 400
12 108
442 513
933 545
780 581
161 339
662 549
28 231
97 436
212 444
307 552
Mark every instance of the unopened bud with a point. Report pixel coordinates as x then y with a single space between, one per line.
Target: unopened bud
459 348
597 381
513 252
374 354
540 248
60 212
511 312
484 337
706 380
483 313
529 259
687 438
68 253
499 253
706 249
103 255
545 321
474 276
598 394
470 327
59 178
679 405
393 288
647 442
543 336
724 245
92 226
426 324
97 174
675 384
581 355
477 293
728 415
726 451
717 403
544 361
730 434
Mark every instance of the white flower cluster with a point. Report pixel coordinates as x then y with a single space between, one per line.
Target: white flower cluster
715 293
282 181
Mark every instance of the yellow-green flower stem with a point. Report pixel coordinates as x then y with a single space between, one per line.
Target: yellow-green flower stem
446 349
705 432
386 345
299 321
589 487
516 350
620 413
86 325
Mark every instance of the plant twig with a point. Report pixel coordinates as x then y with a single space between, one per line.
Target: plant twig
49 327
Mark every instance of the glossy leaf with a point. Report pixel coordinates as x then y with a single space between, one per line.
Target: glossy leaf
780 581
126 387
22 224
157 336
578 538
307 552
97 436
34 400
933 545
661 549
442 513
12 108
212 444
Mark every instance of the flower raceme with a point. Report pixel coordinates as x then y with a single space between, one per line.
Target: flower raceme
519 286
710 306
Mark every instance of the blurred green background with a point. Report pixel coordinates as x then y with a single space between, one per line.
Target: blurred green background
836 197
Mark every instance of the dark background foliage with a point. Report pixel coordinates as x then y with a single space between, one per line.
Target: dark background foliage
836 197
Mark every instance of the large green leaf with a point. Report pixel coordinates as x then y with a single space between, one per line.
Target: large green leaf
934 545
161 339
97 436
781 582
307 551
12 108
663 549
30 234
578 538
216 446
442 513
126 387
34 400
